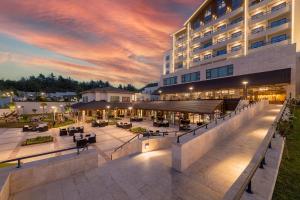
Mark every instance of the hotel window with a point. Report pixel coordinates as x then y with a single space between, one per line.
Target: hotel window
207 15
278 22
168 65
237 20
167 72
278 7
195 50
195 76
257 44
207 56
170 81
207 33
125 99
278 38
114 99
219 72
222 27
236 48
208 44
236 34
221 52
195 60
221 7
236 4
179 65
196 24
258 15
257 30
167 58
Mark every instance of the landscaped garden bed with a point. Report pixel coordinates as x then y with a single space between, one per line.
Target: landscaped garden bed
288 180
138 130
38 140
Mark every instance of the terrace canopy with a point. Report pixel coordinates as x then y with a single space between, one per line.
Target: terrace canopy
196 106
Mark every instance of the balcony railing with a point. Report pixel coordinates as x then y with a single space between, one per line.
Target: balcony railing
282 42
273 10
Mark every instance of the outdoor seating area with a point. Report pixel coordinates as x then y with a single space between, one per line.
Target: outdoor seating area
150 133
136 119
184 125
71 131
124 125
98 123
83 140
161 123
39 128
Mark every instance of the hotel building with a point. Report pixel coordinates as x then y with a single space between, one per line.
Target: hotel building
235 48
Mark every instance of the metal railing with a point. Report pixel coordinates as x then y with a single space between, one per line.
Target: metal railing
18 160
261 161
216 121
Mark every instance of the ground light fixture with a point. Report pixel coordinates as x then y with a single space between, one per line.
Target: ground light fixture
245 83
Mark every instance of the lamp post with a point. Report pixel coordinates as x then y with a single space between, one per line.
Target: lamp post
108 107
54 110
191 90
245 83
130 110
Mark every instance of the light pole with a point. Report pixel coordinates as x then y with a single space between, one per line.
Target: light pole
54 110
130 110
108 107
191 90
245 83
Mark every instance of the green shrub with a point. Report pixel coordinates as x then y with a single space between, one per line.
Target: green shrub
138 130
37 140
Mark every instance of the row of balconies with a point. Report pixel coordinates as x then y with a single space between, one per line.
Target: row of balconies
216 32
261 4
262 31
273 13
218 44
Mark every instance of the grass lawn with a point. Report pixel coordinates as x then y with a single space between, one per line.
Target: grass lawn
288 181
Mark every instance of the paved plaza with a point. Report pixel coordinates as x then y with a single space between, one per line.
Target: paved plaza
108 138
150 176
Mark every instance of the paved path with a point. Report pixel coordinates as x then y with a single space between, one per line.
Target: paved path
149 175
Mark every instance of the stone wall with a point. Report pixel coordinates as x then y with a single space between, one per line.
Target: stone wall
142 146
188 152
45 171
28 106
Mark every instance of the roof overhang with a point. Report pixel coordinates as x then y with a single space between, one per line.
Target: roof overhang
196 12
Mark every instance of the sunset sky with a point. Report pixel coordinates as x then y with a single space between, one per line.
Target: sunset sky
121 41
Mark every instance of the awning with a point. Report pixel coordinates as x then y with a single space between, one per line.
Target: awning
196 106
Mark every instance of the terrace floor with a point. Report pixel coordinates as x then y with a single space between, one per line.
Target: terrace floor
149 176
108 138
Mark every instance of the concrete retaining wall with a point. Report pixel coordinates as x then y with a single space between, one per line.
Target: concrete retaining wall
143 145
46 171
186 153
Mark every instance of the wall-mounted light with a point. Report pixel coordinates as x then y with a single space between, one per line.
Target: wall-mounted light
146 145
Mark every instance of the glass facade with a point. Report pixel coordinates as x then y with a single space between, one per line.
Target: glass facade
221 7
221 52
278 22
219 72
170 81
278 38
207 15
257 44
190 77
236 4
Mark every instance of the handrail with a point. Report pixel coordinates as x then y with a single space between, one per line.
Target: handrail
235 112
37 155
247 184
121 146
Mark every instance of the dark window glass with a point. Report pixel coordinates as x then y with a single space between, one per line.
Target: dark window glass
195 76
237 20
219 72
196 24
236 48
278 7
257 44
278 22
207 15
221 52
167 58
170 80
207 44
236 4
236 34
221 7
278 38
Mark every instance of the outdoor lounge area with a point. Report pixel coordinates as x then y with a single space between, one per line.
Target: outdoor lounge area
71 131
31 128
124 125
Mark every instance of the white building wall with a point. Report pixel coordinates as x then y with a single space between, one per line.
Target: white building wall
29 106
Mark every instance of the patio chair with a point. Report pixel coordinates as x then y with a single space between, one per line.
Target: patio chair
92 138
26 128
82 143
80 129
63 132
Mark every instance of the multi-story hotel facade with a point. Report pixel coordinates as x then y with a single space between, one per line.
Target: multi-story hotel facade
234 48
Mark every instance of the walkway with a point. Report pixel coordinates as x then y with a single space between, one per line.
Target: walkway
149 175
